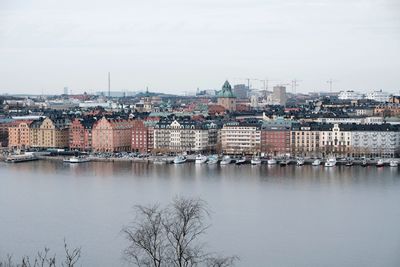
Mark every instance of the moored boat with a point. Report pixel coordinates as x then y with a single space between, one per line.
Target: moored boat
226 160
200 159
349 163
20 158
380 163
213 159
300 162
284 162
255 161
393 163
316 162
364 163
78 159
271 161
330 162
179 159
241 161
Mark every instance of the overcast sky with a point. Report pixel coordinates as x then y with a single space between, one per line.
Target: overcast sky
180 45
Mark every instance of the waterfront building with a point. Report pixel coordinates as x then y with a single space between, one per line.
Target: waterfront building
19 134
49 133
226 98
241 138
140 137
80 134
275 137
112 135
305 139
184 136
335 139
376 140
5 124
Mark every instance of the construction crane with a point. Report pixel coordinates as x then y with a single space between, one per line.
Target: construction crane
295 83
330 82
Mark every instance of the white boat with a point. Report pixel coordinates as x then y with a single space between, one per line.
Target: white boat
300 162
160 161
316 162
330 162
226 160
179 159
364 163
200 159
20 158
349 163
271 161
255 161
241 161
213 159
394 163
380 163
284 162
78 159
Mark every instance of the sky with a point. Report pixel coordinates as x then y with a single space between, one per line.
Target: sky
177 46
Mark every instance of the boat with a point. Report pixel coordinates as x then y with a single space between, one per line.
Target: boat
364 163
380 163
160 161
300 162
179 159
255 161
393 163
226 160
213 159
78 159
330 162
241 161
20 158
316 162
271 161
349 163
283 162
200 159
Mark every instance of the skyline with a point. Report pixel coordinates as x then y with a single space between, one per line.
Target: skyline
181 46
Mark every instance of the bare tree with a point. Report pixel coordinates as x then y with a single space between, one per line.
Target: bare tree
43 259
169 236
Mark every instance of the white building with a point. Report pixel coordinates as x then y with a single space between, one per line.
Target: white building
378 96
241 138
350 95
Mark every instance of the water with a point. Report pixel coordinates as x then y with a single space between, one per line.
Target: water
268 215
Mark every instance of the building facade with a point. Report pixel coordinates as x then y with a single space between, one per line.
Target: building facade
112 135
226 98
241 138
80 134
275 137
49 133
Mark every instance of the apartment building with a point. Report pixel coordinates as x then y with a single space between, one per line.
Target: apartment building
184 136
275 137
80 134
112 135
140 137
305 139
19 134
241 138
49 133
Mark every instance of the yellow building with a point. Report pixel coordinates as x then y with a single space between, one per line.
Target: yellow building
49 134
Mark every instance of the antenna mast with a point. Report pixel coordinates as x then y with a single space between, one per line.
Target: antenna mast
109 84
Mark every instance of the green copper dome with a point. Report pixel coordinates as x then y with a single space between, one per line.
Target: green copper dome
226 91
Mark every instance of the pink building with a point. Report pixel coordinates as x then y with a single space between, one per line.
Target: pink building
80 134
140 137
112 135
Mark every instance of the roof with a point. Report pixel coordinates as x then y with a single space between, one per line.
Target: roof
226 91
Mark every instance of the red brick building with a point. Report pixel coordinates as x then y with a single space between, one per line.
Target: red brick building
275 138
140 137
80 134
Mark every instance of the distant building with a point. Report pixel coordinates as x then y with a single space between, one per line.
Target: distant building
275 137
350 95
140 137
65 90
19 134
241 90
378 96
226 98
279 95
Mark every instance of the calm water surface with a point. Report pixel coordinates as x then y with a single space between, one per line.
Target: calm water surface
269 216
